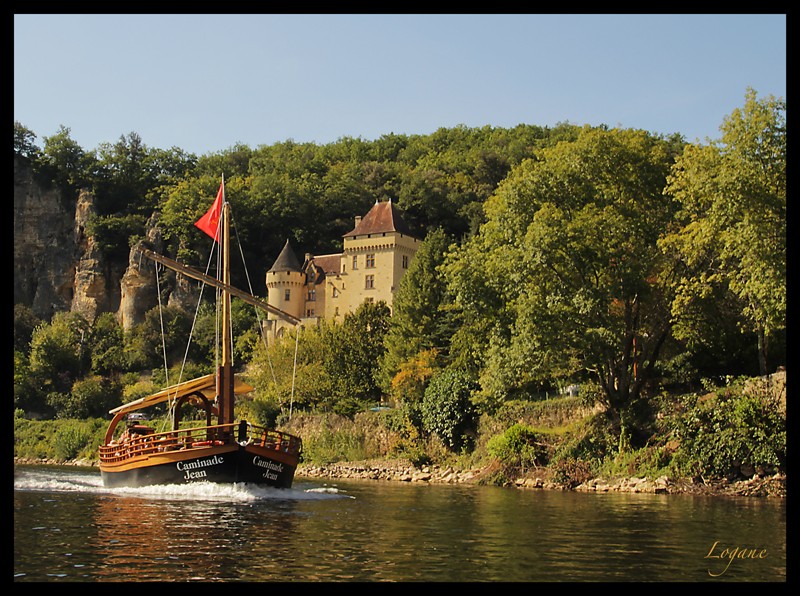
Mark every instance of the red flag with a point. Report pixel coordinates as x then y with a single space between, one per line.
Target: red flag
209 223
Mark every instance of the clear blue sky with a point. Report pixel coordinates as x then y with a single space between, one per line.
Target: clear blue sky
206 82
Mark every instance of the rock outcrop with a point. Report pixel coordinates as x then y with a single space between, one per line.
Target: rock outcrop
58 265
45 253
138 288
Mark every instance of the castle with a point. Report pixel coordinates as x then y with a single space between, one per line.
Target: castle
377 252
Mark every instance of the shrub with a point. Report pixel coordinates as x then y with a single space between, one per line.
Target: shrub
732 432
518 447
331 446
447 410
70 439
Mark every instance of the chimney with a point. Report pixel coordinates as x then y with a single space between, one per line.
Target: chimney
358 219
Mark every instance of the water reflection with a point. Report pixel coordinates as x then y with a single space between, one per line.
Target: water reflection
378 531
183 540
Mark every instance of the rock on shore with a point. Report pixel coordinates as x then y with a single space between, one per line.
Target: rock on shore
405 471
400 470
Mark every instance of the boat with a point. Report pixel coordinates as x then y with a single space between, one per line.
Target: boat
220 450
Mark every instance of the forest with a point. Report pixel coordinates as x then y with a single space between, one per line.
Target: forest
616 261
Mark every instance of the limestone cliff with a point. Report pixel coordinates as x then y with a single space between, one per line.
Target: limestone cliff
45 251
57 263
138 288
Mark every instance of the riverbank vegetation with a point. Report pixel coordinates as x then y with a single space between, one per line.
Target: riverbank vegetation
733 432
586 301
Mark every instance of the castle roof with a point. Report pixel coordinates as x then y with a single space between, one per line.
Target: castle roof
383 217
286 261
328 263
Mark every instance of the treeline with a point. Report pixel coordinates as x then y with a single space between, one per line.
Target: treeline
617 261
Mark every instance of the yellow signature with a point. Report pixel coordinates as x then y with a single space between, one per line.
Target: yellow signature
733 553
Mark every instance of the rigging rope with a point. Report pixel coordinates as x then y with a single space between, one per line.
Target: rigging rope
294 370
161 320
262 333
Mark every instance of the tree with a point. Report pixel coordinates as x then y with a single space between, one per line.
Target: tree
447 410
25 142
65 163
732 231
565 280
59 354
354 348
421 321
25 321
107 345
91 397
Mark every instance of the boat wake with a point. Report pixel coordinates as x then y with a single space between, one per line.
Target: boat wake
45 479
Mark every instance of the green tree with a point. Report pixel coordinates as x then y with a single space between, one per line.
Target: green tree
565 281
66 163
24 324
163 330
90 397
421 320
732 232
25 142
59 352
354 349
447 410
107 345
29 393
285 381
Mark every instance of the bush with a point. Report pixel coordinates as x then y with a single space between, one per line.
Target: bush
735 431
70 439
649 461
59 440
518 447
331 446
447 410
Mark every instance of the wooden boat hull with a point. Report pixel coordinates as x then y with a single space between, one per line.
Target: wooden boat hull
227 463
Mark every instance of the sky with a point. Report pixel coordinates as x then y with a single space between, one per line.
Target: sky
204 83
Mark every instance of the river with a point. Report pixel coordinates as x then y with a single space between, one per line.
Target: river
69 528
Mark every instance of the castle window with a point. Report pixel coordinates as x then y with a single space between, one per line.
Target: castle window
312 295
287 295
405 261
370 261
369 282
355 262
310 312
369 300
335 292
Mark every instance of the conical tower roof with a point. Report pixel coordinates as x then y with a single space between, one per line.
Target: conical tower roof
286 261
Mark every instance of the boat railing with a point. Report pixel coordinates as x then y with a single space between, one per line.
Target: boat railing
271 438
199 437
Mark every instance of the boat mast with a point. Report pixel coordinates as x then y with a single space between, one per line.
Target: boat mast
225 370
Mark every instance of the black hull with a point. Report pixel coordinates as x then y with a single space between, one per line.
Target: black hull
224 464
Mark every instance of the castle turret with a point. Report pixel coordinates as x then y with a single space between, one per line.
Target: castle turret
285 282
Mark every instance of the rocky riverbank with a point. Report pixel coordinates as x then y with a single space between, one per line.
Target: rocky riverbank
403 471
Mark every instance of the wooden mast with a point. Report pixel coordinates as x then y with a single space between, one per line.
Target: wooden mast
225 372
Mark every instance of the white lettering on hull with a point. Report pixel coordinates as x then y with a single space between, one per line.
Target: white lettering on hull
271 469
193 470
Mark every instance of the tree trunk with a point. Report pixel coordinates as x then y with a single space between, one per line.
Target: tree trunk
762 352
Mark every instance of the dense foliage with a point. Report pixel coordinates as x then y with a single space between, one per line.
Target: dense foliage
616 262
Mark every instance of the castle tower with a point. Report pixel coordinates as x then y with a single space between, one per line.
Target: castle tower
377 253
285 282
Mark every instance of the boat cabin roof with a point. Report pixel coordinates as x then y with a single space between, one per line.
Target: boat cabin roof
206 385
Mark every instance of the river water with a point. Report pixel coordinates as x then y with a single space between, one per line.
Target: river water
68 527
